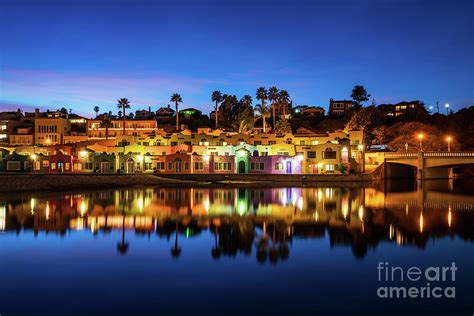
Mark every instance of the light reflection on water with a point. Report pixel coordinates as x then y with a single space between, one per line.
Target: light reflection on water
228 249
267 218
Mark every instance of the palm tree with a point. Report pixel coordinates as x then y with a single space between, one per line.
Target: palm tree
262 113
283 100
273 97
246 101
96 110
262 95
217 97
123 104
176 98
106 121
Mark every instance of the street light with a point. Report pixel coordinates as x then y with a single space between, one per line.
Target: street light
447 108
420 137
449 139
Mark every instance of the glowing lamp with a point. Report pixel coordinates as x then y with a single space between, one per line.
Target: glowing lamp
242 153
360 147
206 158
140 158
300 158
83 153
34 157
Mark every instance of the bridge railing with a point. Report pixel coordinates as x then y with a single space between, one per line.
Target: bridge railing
431 154
448 154
401 155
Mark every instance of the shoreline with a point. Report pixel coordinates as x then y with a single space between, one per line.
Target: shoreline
24 182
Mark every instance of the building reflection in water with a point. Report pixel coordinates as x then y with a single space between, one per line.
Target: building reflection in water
263 221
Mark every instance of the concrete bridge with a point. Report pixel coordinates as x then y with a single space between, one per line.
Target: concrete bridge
427 165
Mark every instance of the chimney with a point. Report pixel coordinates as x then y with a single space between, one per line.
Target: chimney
37 111
149 109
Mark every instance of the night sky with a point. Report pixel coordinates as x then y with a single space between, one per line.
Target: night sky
87 53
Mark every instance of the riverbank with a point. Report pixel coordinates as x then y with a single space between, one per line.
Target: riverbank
20 182
54 182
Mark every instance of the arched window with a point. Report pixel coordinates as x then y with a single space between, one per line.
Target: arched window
328 153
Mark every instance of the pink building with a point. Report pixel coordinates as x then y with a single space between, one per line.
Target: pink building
222 164
59 163
200 164
178 163
275 164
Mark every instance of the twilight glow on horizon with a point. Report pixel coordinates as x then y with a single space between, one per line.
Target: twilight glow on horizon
81 54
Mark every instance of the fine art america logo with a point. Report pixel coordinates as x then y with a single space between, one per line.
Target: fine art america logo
416 282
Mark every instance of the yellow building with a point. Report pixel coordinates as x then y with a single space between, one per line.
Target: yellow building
95 128
51 130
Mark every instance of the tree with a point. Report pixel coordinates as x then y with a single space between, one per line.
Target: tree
342 168
403 133
283 126
262 95
246 101
119 113
229 102
283 101
96 110
242 115
63 110
123 104
263 113
106 121
176 98
379 134
366 120
273 97
217 98
359 95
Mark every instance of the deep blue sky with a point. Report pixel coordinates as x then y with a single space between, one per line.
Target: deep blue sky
87 53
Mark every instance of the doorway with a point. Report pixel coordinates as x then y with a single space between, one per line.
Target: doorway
241 166
288 167
104 167
60 166
130 166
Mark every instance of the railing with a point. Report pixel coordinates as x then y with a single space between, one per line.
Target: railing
431 154
449 154
401 155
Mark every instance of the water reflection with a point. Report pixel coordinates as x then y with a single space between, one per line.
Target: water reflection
259 222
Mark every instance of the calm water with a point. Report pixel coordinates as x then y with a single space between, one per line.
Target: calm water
215 251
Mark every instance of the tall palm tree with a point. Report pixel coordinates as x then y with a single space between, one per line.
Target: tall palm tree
216 97
283 100
106 121
123 104
273 97
176 98
96 110
262 113
262 95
